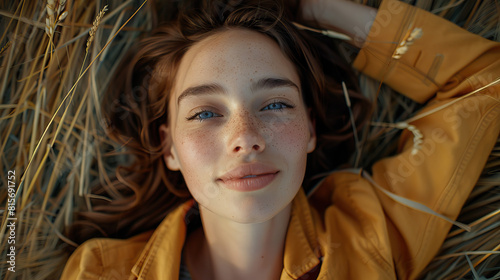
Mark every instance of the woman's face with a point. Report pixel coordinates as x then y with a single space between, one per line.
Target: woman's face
239 131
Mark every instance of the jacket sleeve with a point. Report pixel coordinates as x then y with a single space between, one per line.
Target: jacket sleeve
432 60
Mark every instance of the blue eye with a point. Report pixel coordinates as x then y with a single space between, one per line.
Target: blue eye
276 106
203 115
206 115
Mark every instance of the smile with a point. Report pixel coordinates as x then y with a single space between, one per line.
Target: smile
249 177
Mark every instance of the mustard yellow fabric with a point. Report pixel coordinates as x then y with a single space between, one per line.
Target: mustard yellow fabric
347 229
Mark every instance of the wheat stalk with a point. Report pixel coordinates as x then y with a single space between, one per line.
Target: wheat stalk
408 40
55 15
93 30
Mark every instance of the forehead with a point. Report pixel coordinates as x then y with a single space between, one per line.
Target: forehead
233 56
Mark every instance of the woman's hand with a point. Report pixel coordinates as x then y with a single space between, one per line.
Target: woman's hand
340 15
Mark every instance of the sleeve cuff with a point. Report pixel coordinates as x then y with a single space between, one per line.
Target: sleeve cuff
428 63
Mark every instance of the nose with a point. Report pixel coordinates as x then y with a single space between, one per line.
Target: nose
245 136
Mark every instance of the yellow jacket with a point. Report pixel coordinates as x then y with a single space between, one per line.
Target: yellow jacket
348 228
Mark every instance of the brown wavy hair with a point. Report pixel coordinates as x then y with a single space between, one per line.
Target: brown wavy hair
136 103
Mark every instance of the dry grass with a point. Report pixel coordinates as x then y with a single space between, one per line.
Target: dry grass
52 131
51 134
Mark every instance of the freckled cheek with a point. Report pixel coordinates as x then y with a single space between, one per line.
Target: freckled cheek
196 148
291 137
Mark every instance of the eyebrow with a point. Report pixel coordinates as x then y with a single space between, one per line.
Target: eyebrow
265 83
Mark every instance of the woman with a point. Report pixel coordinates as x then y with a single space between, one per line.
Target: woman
235 98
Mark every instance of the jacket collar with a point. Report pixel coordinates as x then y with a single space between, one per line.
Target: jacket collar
161 257
301 244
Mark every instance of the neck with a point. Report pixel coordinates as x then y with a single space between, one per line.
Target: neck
245 251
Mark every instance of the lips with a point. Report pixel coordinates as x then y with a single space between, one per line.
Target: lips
249 177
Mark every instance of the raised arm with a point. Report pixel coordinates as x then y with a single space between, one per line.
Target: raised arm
340 15
431 60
